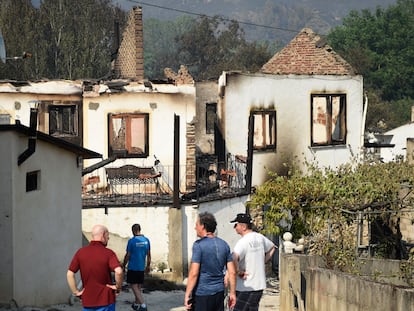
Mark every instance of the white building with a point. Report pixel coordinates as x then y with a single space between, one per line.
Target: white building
306 104
40 207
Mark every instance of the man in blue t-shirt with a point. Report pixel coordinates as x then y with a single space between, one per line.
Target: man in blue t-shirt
210 261
138 259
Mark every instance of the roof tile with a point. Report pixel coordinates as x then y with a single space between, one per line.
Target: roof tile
308 54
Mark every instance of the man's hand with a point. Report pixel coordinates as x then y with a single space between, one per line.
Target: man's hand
78 293
116 289
232 300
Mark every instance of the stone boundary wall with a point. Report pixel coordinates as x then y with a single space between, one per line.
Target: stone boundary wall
305 284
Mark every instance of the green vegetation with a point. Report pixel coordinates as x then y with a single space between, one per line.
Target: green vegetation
380 45
67 39
73 39
324 205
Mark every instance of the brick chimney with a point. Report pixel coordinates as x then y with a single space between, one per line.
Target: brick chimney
129 63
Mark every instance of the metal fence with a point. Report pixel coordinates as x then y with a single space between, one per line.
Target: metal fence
131 185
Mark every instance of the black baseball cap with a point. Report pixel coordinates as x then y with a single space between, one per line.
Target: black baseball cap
242 218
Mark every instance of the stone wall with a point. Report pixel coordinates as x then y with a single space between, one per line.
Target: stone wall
305 284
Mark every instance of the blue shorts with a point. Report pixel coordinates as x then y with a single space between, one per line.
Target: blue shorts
110 307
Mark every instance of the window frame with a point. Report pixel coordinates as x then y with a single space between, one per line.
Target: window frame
266 130
330 126
128 151
71 119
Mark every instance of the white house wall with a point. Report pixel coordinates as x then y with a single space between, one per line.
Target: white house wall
161 108
399 139
154 225
16 101
7 160
16 105
46 228
290 96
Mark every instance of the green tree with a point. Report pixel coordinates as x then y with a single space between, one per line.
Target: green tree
322 204
18 26
161 45
213 45
68 39
380 45
78 37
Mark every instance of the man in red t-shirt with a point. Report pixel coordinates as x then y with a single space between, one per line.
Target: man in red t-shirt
95 263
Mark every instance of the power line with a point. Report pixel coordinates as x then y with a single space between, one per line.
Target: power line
222 17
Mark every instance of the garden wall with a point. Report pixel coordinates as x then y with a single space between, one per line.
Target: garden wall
305 284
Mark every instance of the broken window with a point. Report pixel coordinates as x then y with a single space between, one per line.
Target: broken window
328 119
128 134
264 129
211 116
63 120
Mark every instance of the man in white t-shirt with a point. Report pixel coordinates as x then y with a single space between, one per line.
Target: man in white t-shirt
250 254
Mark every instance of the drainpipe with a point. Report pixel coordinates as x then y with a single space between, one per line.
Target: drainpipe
364 117
31 148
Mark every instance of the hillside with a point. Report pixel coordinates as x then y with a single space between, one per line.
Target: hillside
284 16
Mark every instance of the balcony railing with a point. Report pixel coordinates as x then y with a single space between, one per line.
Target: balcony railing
131 185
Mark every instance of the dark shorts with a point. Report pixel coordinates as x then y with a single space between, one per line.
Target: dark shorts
135 277
248 301
209 303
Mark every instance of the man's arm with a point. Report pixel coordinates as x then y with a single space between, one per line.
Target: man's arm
119 278
70 276
191 282
126 259
269 254
148 267
231 272
241 274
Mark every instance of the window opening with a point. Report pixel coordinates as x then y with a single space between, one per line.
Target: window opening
264 135
328 119
32 181
211 117
128 135
63 120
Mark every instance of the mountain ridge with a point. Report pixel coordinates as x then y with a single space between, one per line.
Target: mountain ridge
275 20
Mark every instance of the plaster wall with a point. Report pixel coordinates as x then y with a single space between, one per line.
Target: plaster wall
17 105
17 100
169 234
154 225
161 108
206 92
399 139
7 159
45 222
290 97
223 210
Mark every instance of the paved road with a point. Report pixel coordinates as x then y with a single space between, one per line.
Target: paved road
163 301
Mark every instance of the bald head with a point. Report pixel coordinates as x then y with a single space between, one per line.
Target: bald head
100 233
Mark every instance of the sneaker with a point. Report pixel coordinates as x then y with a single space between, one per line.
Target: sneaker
142 308
136 307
